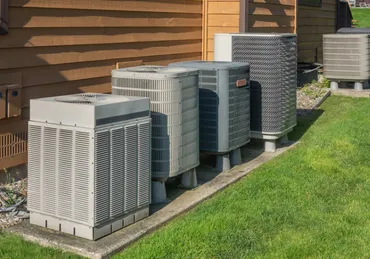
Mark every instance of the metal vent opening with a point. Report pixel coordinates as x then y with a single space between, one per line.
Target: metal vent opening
81 99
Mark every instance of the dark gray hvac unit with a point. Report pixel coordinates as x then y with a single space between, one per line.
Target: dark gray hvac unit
224 104
273 74
354 31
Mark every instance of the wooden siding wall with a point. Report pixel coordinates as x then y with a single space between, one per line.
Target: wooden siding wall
264 16
312 23
60 47
271 16
220 16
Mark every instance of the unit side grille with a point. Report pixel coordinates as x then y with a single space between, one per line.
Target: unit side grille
239 110
144 182
347 57
81 176
34 167
117 181
65 165
174 112
273 72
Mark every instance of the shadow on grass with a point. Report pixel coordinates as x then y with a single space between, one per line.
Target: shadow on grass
305 122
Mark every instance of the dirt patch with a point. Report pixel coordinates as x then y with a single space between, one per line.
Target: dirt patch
310 97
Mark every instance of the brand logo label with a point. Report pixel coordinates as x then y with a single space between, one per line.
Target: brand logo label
241 83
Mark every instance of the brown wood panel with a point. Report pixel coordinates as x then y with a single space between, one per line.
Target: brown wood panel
12 161
270 9
312 23
31 57
316 21
315 29
272 29
101 84
44 37
213 30
54 18
171 6
79 71
270 21
314 14
275 2
224 7
224 20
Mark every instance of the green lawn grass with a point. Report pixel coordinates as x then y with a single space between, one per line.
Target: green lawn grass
13 247
312 201
362 15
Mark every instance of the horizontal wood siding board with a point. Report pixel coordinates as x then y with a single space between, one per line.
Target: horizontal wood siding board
213 30
272 29
170 6
78 71
315 29
224 20
274 2
32 57
223 7
316 22
12 161
270 21
44 37
270 9
102 85
64 18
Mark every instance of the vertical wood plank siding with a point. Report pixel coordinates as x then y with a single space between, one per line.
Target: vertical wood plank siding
59 47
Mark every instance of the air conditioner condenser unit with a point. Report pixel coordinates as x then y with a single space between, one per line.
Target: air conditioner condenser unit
347 59
224 108
89 163
175 119
273 74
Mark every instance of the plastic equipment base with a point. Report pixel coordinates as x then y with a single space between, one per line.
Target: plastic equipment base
358 86
91 233
159 194
225 161
189 179
271 140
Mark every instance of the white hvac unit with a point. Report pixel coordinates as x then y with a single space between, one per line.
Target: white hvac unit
175 119
273 74
347 59
89 163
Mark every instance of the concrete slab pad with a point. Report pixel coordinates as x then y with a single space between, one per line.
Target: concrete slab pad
209 180
351 93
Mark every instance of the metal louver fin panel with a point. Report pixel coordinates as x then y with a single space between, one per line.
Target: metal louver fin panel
102 181
220 100
49 174
117 171
34 167
65 176
174 110
82 176
131 153
144 179
347 57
